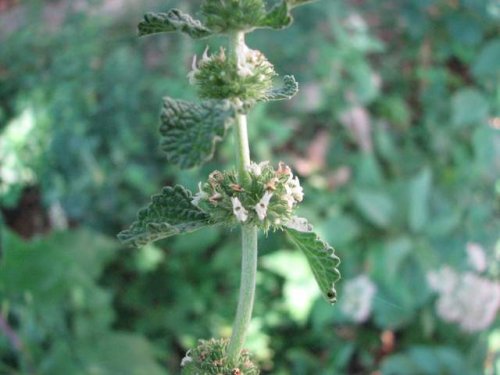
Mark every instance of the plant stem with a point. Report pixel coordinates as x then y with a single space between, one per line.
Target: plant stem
247 292
242 147
248 233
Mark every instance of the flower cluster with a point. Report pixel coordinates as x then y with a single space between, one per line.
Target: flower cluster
466 298
266 199
216 77
477 257
358 298
210 358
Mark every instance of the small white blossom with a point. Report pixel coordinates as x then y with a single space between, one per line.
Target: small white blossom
295 189
205 57
194 69
199 196
187 359
477 257
244 55
261 207
467 299
357 298
290 200
194 66
256 169
444 280
239 211
300 224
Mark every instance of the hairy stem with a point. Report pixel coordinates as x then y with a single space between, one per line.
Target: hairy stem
248 233
242 148
247 292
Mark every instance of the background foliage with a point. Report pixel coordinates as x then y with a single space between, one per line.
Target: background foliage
394 134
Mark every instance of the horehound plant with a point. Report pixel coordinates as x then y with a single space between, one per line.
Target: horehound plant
253 196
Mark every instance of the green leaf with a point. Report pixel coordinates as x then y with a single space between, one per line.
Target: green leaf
190 131
108 353
288 91
42 275
168 214
174 20
322 260
469 107
375 206
419 190
299 290
486 64
426 360
280 16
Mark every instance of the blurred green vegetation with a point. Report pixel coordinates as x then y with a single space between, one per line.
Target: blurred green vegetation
395 135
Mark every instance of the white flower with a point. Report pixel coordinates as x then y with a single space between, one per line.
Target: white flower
297 191
186 359
261 207
238 210
467 299
290 200
205 57
477 257
444 280
300 224
199 196
357 298
256 169
244 54
294 189
194 66
194 69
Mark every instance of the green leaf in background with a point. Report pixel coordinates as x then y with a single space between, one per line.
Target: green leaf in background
111 353
174 20
322 260
377 207
49 288
486 63
419 191
168 214
426 360
190 131
288 91
300 290
280 16
29 266
469 107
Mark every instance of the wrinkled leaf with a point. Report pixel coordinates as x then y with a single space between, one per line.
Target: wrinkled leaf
168 214
174 20
190 131
289 89
322 260
280 16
